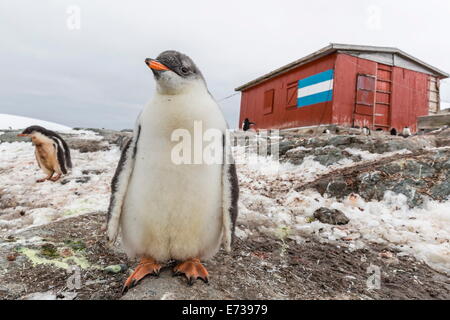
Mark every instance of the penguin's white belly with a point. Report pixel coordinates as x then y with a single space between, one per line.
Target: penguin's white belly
172 211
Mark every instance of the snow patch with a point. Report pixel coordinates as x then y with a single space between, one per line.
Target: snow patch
269 204
11 122
263 210
27 203
368 156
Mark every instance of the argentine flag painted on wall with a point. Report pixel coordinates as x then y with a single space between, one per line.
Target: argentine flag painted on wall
316 89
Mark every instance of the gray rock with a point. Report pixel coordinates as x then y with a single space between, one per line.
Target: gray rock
370 186
10 136
409 187
418 170
337 188
392 168
446 165
167 287
49 295
117 268
285 146
442 190
326 156
13 289
330 156
341 140
331 216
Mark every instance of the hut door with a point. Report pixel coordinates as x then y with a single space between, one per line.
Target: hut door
363 115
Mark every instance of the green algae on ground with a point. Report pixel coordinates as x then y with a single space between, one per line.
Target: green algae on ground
310 219
76 245
49 250
37 258
116 268
283 233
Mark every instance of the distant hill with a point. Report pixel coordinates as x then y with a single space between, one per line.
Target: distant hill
8 121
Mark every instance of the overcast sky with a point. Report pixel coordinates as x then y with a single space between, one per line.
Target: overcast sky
91 73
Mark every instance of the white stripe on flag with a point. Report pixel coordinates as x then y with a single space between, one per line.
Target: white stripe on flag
315 88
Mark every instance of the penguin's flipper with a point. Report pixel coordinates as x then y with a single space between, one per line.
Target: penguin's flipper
38 159
119 184
59 152
230 196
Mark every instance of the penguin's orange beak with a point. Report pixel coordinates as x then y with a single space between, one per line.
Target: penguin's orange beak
155 65
22 135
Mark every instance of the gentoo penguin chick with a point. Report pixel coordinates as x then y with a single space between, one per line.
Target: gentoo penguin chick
406 132
366 131
168 210
51 151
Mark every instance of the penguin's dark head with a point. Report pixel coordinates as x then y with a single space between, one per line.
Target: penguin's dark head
175 72
33 129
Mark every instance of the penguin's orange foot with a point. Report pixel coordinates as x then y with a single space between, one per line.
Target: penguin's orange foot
49 177
55 178
147 266
193 270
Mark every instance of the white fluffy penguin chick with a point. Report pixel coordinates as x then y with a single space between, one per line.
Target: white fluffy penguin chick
406 132
166 209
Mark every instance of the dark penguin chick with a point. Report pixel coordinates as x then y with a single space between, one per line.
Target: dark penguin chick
52 152
393 132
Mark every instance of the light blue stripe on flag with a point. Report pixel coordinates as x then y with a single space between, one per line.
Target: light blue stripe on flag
315 98
320 77
316 89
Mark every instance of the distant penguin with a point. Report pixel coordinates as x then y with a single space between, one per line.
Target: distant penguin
51 151
406 132
326 131
393 132
366 131
166 210
246 125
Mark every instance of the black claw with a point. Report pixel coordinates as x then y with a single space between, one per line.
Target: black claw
124 290
176 274
205 280
191 281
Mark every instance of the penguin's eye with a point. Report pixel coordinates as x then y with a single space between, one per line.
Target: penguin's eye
184 70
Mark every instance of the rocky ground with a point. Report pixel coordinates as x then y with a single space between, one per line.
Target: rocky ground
257 269
414 167
282 250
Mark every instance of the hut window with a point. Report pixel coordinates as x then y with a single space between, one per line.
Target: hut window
292 95
269 96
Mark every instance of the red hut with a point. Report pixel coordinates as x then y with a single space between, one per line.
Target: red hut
357 86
